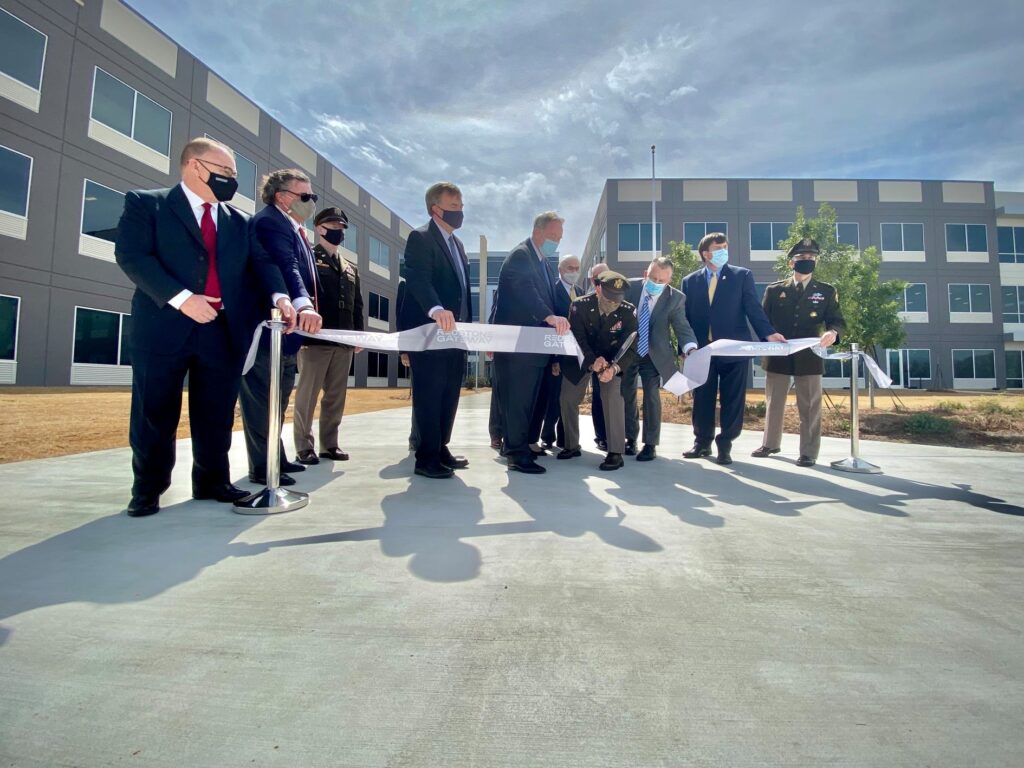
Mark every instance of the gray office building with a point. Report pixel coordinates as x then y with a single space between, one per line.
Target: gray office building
95 101
958 244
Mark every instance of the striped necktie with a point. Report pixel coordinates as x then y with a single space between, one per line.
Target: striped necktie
645 326
712 285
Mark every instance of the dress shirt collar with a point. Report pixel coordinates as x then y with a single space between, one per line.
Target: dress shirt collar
295 225
197 203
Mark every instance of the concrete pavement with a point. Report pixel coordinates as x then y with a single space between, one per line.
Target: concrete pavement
668 614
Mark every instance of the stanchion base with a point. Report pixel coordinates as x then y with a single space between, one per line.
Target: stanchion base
858 465
271 501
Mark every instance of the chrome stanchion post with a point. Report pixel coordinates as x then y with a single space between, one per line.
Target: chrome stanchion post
855 463
273 500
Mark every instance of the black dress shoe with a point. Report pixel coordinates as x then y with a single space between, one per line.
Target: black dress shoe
225 493
724 457
282 481
291 466
529 467
434 470
335 454
541 452
454 462
764 452
142 505
647 453
307 457
602 445
547 445
611 461
569 453
630 448
805 461
697 452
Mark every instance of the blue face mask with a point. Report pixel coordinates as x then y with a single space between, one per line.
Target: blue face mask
720 258
655 288
549 248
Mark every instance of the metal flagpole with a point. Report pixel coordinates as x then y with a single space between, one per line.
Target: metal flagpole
855 463
654 211
273 500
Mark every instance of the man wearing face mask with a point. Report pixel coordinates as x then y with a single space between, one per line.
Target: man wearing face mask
437 291
602 324
802 307
660 308
324 365
290 202
720 301
546 424
526 296
191 258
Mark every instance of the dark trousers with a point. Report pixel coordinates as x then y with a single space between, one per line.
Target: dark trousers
596 411
546 410
650 380
157 380
551 429
517 392
494 417
729 380
436 384
255 403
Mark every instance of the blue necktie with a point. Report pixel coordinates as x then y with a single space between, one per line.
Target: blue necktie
645 325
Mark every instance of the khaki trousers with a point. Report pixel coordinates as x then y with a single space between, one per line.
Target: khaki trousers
808 404
612 406
322 367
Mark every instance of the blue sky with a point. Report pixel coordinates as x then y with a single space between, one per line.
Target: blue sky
530 106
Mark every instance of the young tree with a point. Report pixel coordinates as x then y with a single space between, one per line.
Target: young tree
684 259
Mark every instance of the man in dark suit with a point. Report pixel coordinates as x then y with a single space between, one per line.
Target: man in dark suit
660 308
526 296
191 258
289 202
720 301
802 307
437 291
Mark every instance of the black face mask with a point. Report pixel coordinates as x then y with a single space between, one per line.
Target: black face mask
453 218
223 187
804 266
334 236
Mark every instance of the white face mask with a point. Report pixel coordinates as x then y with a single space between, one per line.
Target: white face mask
571 277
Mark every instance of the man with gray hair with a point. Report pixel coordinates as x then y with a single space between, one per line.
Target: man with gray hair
660 311
526 296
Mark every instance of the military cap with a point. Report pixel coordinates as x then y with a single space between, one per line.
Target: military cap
613 285
806 245
330 214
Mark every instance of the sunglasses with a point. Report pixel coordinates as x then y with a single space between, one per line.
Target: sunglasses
304 196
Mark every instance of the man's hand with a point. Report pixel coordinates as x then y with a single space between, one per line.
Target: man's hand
598 365
556 369
776 337
560 324
403 357
607 374
445 320
829 338
287 314
198 308
310 321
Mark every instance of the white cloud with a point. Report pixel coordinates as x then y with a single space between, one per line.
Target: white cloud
678 93
646 64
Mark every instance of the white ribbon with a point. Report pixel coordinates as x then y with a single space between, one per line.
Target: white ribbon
697 365
473 337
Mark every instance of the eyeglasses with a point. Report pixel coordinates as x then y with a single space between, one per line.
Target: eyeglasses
223 170
303 196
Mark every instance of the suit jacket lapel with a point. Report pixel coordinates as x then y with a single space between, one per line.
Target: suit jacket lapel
178 203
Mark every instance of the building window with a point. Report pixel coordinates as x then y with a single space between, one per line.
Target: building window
974 364
603 252
125 110
22 51
351 238
966 238
760 289
1011 245
694 231
915 298
101 211
903 237
848 233
838 369
973 297
1014 369
380 253
909 365
376 365
379 307
766 236
1013 303
15 182
637 237
101 338
9 308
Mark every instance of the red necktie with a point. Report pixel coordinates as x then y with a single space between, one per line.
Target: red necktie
209 231
312 267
